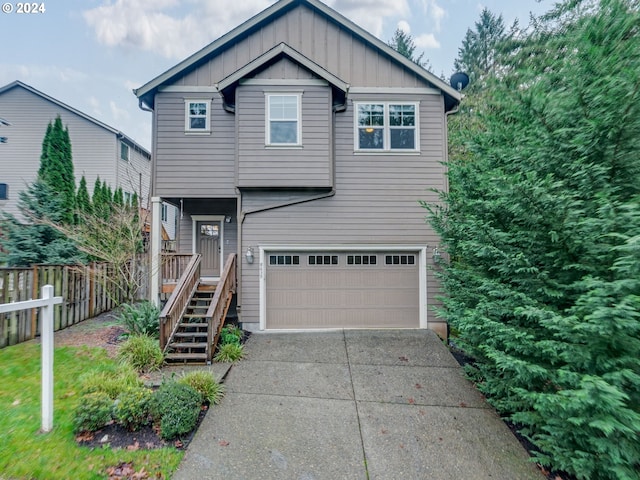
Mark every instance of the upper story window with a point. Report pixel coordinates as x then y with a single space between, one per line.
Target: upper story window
165 212
283 119
197 116
4 191
124 151
387 126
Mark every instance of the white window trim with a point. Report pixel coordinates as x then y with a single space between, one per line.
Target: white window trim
267 138
387 129
187 123
419 250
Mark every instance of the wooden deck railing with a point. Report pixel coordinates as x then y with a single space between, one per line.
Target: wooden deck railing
173 265
220 303
179 299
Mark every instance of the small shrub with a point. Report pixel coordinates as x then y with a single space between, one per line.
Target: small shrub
132 408
142 352
229 353
113 381
204 383
93 412
230 334
141 319
175 406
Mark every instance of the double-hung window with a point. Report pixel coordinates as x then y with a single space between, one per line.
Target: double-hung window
124 151
283 119
387 127
197 116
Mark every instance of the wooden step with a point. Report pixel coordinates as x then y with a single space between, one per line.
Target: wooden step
186 356
190 334
193 315
199 306
188 345
193 325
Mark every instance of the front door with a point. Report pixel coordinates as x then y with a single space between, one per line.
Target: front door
208 245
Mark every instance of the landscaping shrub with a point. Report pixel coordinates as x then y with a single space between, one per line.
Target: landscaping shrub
230 334
203 382
142 352
112 381
132 408
175 407
141 319
229 352
93 412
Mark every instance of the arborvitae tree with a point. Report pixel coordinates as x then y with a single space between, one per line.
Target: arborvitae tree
83 202
56 167
478 53
541 225
404 44
118 197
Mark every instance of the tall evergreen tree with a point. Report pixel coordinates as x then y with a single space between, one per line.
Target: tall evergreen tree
56 167
478 53
403 43
542 226
83 201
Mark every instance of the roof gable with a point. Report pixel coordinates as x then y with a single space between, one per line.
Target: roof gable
147 92
118 133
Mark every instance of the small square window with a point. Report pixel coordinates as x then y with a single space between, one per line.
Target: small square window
197 116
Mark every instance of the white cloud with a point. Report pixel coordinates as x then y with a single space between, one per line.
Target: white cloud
94 104
36 73
118 114
404 26
427 41
158 26
371 14
434 12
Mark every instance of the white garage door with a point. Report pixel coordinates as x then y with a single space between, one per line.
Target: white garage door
306 290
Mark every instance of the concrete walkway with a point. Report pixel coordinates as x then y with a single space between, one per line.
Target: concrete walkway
353 404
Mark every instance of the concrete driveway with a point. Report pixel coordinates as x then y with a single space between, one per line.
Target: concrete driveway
353 404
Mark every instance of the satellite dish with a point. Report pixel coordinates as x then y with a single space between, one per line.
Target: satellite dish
459 80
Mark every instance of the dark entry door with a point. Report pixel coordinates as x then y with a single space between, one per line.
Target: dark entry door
208 245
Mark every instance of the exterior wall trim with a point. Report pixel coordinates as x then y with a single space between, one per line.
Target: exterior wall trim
394 91
282 82
203 218
422 274
187 89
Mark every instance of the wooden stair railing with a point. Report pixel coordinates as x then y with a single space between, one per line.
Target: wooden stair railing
220 304
179 300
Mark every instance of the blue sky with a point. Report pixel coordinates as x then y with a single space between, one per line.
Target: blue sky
90 54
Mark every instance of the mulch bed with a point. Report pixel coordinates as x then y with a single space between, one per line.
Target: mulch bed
115 436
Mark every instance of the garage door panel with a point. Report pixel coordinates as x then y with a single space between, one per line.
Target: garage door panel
341 294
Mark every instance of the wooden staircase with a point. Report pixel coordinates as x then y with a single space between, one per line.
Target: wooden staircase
192 318
189 342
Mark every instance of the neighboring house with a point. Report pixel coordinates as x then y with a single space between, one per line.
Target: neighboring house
304 144
97 149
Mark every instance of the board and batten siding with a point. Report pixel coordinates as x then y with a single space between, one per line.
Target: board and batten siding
318 38
196 165
263 166
376 201
95 150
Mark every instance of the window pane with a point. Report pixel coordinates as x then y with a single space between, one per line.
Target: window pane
284 132
402 115
403 138
371 138
371 115
283 107
197 109
197 123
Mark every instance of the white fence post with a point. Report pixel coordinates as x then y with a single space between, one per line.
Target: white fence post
46 331
47 302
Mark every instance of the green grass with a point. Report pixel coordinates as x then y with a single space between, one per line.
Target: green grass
26 453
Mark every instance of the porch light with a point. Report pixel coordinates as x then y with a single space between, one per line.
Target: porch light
436 255
227 219
249 255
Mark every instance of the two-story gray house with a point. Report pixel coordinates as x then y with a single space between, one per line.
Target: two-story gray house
303 143
98 149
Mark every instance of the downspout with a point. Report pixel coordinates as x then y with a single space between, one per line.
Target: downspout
243 213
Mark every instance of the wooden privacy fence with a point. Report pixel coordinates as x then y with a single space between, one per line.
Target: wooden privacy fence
84 289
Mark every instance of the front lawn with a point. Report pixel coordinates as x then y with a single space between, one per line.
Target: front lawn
27 453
